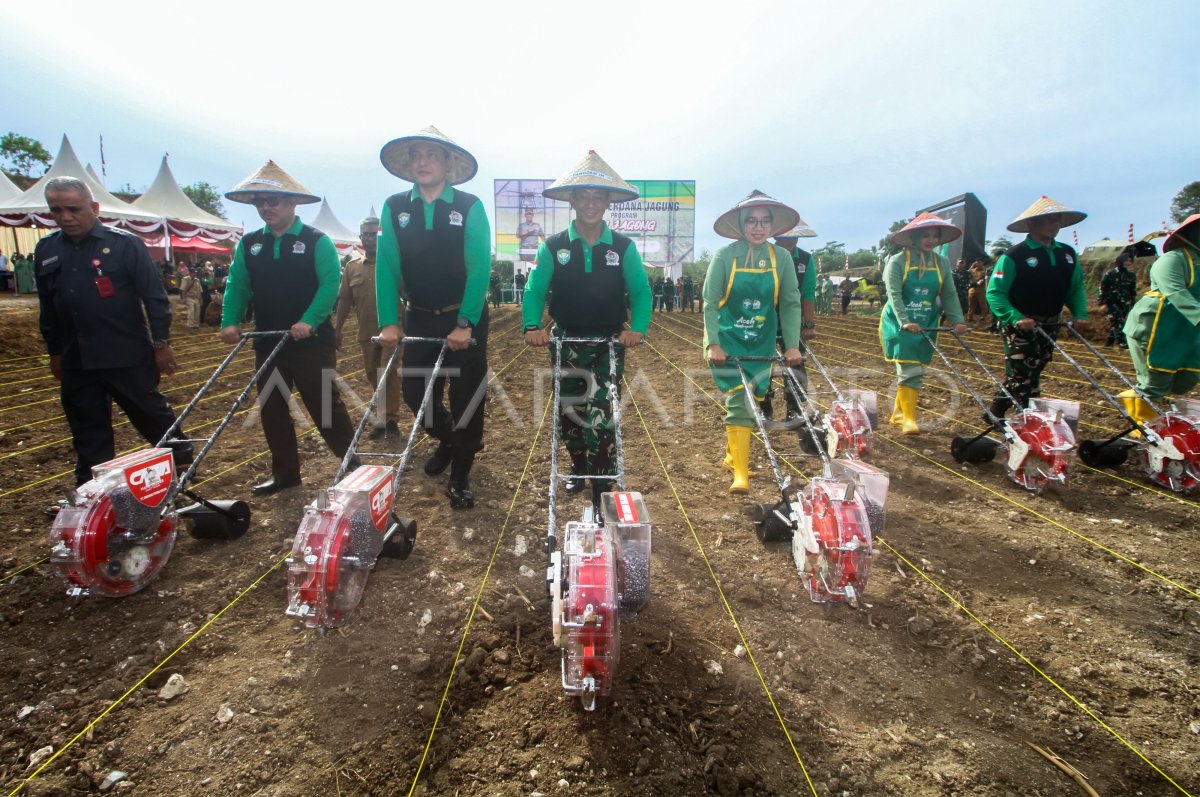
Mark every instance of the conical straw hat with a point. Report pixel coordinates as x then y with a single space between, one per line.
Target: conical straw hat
591 172
801 230
1176 239
1045 206
396 157
925 221
270 180
729 223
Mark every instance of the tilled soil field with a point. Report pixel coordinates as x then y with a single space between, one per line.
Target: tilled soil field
994 619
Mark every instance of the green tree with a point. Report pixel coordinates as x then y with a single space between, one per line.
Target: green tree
886 247
1186 202
831 256
22 154
206 198
1000 246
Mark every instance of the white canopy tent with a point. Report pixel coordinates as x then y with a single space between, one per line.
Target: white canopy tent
329 224
184 217
8 189
29 209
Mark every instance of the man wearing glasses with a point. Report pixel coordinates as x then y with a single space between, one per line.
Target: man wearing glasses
106 321
289 273
435 249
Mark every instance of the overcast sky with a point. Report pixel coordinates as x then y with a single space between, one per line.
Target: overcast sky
856 113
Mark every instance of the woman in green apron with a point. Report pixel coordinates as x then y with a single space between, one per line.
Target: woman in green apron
750 291
1162 331
915 278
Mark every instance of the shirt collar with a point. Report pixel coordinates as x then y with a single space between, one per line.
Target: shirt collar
446 196
293 230
605 234
1029 240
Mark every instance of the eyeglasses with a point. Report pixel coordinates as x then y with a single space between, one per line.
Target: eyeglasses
752 221
267 201
65 208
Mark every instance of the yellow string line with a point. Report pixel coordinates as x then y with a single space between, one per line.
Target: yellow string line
15 573
147 676
724 600
1032 666
55 386
992 631
478 597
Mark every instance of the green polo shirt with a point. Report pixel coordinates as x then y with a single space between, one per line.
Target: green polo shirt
1002 279
632 269
329 274
477 254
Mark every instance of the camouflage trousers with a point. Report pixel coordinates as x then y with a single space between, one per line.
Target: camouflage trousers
1026 354
1116 323
585 420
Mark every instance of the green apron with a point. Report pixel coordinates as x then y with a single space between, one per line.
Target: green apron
919 291
747 322
1171 341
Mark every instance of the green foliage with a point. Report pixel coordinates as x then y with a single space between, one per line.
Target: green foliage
22 154
1186 202
886 247
1000 246
126 193
206 197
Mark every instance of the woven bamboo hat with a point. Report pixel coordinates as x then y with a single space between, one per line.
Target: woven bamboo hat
1045 206
396 157
801 230
1176 239
783 218
591 172
925 221
270 180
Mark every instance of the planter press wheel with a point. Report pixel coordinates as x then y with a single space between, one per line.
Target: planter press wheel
1181 476
1051 451
333 584
843 534
100 557
593 648
852 426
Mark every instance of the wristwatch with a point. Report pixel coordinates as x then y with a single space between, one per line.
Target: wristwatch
464 322
809 325
159 345
532 327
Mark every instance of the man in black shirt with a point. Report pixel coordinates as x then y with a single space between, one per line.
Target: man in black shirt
94 283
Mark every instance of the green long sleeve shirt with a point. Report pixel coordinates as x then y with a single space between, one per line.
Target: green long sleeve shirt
893 281
632 269
329 273
477 254
717 280
1006 272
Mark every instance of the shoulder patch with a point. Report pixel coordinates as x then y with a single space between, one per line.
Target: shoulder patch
256 248
563 256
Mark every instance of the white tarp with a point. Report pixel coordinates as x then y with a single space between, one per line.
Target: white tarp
328 223
165 198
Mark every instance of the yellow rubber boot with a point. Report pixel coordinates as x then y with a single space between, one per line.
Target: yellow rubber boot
739 450
1137 408
906 398
897 414
728 463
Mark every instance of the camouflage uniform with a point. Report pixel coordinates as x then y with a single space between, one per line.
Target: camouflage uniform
585 422
1118 291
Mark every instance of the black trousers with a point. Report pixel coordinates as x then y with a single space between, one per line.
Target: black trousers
466 374
87 397
309 370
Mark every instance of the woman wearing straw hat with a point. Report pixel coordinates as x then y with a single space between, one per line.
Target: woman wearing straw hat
435 249
916 277
750 290
1163 328
289 272
1031 283
590 269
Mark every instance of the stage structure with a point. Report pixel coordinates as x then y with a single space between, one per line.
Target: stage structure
968 214
661 221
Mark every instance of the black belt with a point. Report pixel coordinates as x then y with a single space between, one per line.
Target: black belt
439 311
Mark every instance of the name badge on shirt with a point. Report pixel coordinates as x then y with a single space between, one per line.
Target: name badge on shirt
105 287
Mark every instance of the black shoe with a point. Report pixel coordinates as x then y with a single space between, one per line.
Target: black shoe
52 511
460 493
576 483
439 460
377 433
273 485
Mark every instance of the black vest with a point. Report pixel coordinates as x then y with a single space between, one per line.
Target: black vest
432 262
284 288
1040 289
588 303
801 260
